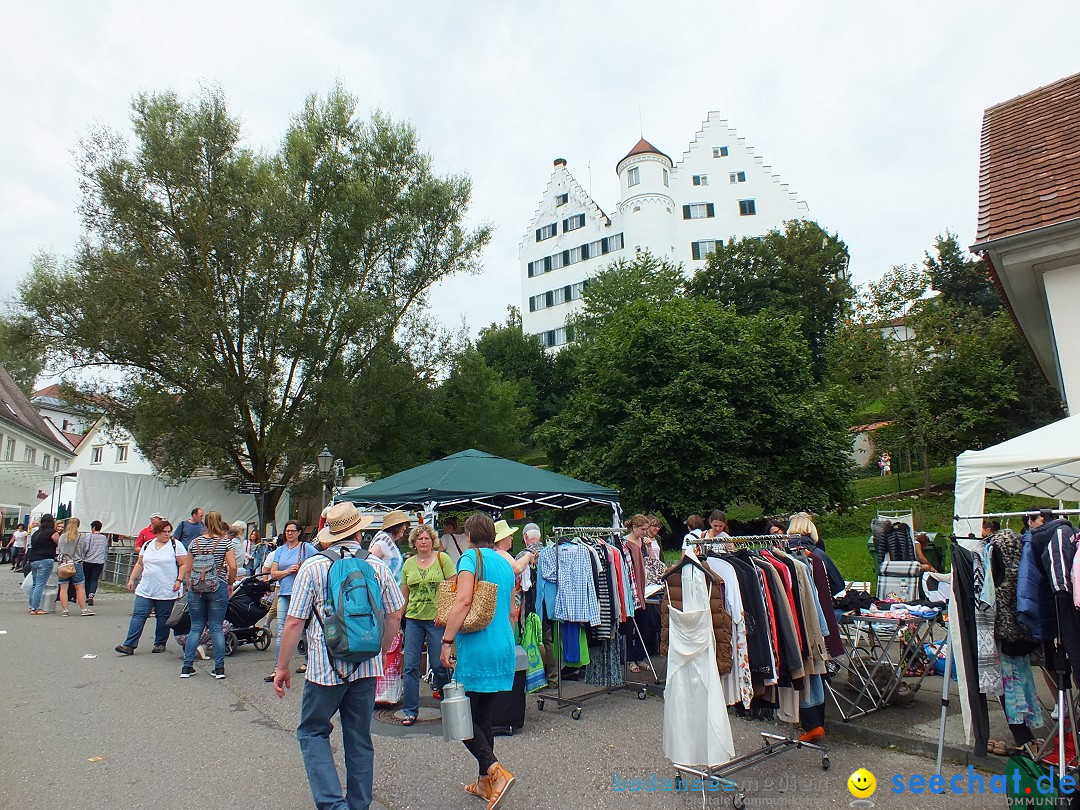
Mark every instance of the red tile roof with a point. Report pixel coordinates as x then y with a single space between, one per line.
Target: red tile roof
643 147
1029 174
49 391
74 438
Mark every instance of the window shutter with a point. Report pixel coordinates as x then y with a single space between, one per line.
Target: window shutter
532 303
584 252
565 257
549 298
685 215
710 211
565 225
566 293
538 239
695 250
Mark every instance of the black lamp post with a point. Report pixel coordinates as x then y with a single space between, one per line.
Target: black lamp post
325 461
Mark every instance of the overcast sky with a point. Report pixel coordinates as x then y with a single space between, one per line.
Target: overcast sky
871 114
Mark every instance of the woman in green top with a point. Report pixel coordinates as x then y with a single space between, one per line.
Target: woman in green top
420 578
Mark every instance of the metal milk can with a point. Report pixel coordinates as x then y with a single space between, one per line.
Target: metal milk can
456 713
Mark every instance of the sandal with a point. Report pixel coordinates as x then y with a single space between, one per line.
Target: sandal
302 668
634 667
408 721
997 748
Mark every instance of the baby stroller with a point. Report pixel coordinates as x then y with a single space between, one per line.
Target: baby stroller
250 601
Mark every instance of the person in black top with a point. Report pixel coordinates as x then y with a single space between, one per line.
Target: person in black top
40 557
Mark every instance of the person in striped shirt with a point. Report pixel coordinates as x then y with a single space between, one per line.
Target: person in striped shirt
347 690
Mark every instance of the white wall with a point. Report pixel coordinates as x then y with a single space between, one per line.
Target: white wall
1062 295
109 440
650 214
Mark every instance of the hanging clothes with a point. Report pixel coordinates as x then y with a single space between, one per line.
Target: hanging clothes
738 683
696 727
719 617
962 627
985 598
569 567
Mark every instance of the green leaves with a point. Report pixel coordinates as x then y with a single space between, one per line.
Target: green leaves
238 291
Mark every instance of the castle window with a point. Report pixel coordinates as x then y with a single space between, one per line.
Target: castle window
698 211
666 177
747 208
562 199
701 249
719 151
701 179
547 231
633 177
738 177
573 223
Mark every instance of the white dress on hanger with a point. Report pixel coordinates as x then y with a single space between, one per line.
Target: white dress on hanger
696 728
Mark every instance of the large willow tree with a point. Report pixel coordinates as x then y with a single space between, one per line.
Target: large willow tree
228 295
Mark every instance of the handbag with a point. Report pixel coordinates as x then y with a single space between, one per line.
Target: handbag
176 615
482 609
66 569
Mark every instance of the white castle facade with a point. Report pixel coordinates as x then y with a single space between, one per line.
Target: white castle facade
720 190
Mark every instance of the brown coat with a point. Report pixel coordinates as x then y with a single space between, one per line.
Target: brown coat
721 620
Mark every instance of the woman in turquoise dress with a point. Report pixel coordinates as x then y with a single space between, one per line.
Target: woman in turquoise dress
485 659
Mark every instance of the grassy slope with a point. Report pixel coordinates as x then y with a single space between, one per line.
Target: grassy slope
846 534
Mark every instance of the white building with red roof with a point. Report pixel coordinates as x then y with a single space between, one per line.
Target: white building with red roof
719 190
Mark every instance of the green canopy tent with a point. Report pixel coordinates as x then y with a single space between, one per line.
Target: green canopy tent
473 479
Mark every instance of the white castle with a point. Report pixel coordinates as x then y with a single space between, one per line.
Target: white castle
719 190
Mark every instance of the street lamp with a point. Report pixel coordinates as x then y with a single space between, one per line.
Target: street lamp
325 461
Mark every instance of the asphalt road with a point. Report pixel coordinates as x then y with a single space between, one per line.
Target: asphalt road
127 732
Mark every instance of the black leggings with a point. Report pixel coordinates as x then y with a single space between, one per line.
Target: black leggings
482 744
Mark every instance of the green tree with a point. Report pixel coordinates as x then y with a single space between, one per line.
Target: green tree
234 294
478 409
22 351
800 271
519 357
961 279
644 278
683 405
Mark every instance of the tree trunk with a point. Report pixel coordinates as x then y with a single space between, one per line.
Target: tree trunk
926 470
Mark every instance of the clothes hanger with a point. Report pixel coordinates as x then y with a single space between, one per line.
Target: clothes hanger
687 559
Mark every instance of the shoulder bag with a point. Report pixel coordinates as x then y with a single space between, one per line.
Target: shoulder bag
482 609
66 569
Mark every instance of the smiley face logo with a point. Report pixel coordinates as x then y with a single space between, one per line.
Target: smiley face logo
862 784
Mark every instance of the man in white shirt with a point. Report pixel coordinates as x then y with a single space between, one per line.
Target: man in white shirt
453 541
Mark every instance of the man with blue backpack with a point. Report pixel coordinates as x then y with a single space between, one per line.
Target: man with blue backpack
352 607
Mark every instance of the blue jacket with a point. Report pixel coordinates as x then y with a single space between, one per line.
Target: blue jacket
1029 586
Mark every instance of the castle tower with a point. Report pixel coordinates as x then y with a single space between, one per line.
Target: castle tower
646 205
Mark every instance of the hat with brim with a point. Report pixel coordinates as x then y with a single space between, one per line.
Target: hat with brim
503 530
394 518
343 520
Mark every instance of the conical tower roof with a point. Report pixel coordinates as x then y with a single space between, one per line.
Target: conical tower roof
643 147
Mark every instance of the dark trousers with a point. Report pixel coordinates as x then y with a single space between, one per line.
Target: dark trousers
92 572
5 554
482 744
17 555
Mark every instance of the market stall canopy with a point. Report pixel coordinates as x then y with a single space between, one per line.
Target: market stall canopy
473 479
1044 463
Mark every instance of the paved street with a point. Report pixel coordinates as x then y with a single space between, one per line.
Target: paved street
115 731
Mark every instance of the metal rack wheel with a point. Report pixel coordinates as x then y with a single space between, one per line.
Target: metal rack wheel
540 704
738 801
680 783
825 762
642 694
262 639
230 643
576 713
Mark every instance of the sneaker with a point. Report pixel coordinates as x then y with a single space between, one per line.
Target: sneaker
158 648
87 612
219 673
67 613
436 694
90 600
201 652
187 672
123 649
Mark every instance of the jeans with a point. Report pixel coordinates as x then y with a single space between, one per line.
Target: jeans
93 574
161 607
207 609
282 605
17 555
416 632
40 570
355 703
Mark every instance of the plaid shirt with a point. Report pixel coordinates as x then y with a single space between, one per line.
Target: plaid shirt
572 574
309 590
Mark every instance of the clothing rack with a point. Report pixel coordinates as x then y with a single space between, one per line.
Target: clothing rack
772 744
1060 667
1028 513
563 532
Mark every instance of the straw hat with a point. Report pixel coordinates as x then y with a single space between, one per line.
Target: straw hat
392 519
342 521
503 530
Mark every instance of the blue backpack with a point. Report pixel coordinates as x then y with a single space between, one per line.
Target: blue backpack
352 606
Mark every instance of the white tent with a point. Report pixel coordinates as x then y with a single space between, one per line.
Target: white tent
1044 463
123 502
